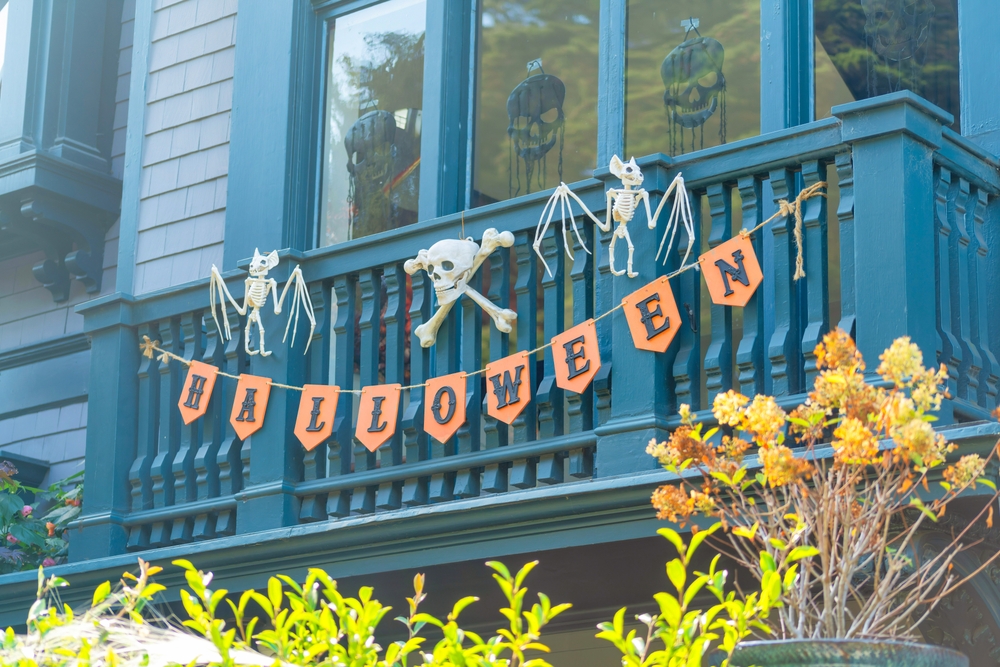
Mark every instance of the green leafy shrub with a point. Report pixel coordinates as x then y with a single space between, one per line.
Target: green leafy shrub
29 539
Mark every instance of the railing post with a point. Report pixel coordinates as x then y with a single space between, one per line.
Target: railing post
113 409
893 138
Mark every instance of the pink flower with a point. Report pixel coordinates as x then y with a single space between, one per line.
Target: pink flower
49 562
25 511
12 539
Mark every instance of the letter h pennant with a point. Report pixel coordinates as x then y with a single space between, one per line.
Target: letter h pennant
197 391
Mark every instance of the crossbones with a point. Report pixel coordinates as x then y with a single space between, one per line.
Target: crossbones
451 263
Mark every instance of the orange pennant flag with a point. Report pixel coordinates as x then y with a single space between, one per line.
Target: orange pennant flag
652 316
731 272
250 405
444 406
317 408
576 356
378 413
508 389
197 391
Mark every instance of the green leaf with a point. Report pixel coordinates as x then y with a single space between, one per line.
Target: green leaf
186 564
102 591
987 482
677 574
460 605
698 538
670 608
26 535
916 502
767 562
778 544
674 538
274 592
748 533
798 553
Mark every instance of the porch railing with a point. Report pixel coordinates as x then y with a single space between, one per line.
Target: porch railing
906 244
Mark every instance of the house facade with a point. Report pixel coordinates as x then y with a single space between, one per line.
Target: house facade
144 141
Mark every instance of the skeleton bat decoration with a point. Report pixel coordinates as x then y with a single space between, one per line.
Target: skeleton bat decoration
451 263
621 207
258 286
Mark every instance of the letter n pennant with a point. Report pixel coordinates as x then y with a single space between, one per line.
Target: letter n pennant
250 405
731 272
378 413
576 356
652 316
197 391
508 387
317 409
444 406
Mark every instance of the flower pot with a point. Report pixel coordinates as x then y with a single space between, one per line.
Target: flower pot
847 652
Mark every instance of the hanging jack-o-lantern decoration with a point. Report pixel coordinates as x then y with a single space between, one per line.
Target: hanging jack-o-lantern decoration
695 87
536 123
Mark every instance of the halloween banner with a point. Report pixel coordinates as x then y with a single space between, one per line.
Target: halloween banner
731 272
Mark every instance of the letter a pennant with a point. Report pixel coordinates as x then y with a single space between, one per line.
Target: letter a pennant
250 405
508 387
317 409
731 272
652 316
197 391
378 413
444 406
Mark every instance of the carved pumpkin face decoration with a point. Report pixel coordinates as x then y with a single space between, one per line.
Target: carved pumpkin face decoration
693 78
897 28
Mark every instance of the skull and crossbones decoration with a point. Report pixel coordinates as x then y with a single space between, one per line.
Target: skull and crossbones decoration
451 264
622 204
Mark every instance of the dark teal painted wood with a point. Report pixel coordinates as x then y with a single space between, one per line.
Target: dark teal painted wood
719 355
750 354
416 442
815 285
611 81
978 23
979 278
949 351
496 433
958 252
363 498
550 398
341 447
845 220
580 407
523 472
314 463
468 481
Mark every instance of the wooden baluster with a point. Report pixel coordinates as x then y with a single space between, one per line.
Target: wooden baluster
206 467
719 356
495 431
580 407
817 281
182 466
549 397
950 352
363 498
468 482
446 360
979 279
845 218
416 442
687 292
523 471
170 431
340 447
233 457
750 354
604 300
784 348
961 318
148 420
313 508
388 496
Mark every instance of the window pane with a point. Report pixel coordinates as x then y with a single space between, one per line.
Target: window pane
375 83
693 74
866 48
535 126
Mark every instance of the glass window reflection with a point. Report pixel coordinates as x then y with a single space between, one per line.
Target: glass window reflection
375 78
536 98
693 74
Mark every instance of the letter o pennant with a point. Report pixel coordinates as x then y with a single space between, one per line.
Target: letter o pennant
197 391
378 413
249 405
652 316
508 387
317 410
444 406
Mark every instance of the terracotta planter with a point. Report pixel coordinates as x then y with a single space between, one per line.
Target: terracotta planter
842 652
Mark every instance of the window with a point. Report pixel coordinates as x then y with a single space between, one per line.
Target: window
375 82
866 48
536 97
692 74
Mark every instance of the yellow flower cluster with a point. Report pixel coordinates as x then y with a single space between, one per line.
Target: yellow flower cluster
672 504
781 467
763 417
854 443
902 361
968 469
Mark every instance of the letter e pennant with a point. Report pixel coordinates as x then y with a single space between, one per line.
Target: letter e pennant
508 387
197 391
576 356
652 316
250 405
378 413
317 409
444 406
731 271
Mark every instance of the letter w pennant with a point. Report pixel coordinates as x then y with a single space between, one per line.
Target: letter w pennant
508 387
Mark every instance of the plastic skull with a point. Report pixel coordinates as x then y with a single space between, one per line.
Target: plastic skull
535 112
449 263
897 28
692 75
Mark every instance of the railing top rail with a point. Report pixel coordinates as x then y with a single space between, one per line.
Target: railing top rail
969 160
